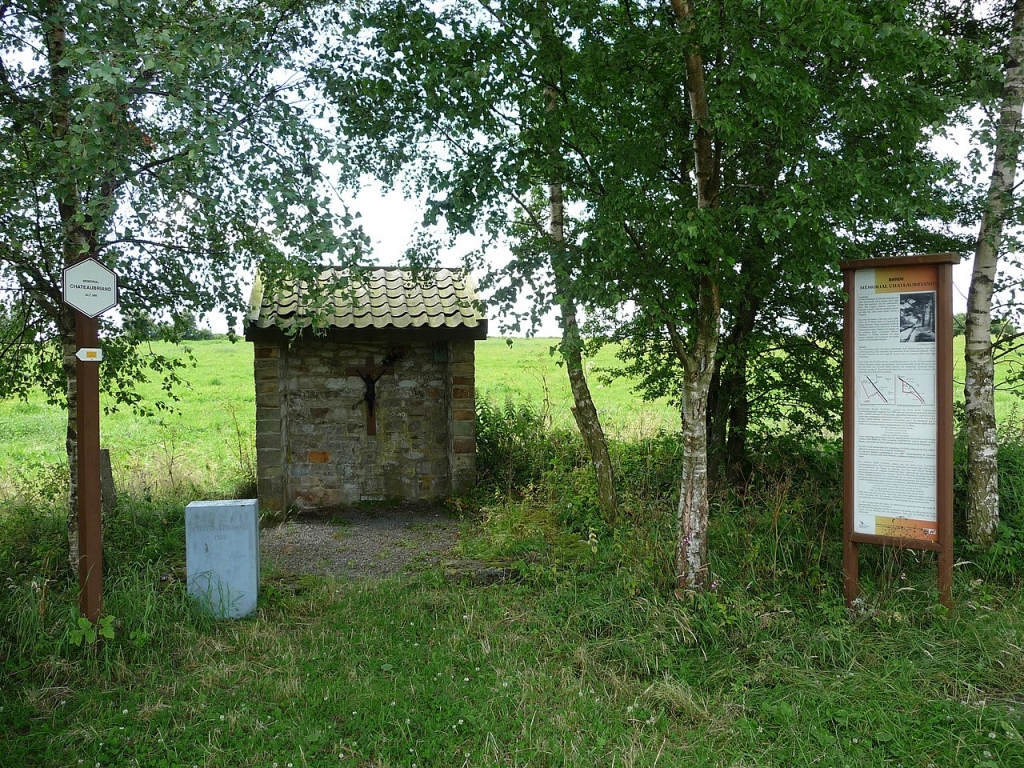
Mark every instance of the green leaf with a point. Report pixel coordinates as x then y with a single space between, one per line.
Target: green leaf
824 738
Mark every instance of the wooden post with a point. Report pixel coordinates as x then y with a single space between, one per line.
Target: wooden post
851 564
108 491
944 426
90 289
90 536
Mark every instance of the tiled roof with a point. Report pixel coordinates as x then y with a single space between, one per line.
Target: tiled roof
378 298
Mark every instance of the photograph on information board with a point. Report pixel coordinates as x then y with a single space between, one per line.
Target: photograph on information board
917 316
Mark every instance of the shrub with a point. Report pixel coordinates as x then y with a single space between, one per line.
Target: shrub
514 445
1004 560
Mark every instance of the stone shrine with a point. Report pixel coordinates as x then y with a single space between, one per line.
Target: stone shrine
369 397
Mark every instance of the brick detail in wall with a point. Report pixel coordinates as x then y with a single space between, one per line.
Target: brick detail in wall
267 400
465 445
463 416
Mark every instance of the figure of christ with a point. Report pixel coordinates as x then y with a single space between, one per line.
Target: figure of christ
371 374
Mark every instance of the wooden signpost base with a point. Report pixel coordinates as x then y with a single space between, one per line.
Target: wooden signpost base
90 537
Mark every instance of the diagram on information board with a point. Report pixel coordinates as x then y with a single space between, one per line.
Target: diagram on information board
915 389
876 390
899 389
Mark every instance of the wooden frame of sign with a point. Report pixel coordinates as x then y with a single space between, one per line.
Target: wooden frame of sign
898 410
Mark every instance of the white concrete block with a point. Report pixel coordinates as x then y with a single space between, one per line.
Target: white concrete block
222 555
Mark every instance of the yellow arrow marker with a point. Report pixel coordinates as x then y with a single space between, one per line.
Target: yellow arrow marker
89 354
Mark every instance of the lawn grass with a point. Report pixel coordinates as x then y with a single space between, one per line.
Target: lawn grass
584 658
567 666
207 440
529 371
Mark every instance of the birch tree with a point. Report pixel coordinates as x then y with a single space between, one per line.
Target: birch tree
588 421
583 410
166 140
979 383
697 351
688 136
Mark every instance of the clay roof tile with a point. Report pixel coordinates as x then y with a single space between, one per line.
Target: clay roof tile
377 298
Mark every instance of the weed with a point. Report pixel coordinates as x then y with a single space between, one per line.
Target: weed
87 634
514 446
245 450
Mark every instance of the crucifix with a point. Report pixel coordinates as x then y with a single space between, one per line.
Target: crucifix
371 374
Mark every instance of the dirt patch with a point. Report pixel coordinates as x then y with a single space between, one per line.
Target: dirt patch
359 543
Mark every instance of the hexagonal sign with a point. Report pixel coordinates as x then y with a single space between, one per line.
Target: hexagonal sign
90 287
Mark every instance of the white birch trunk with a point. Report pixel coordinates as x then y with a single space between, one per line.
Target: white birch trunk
692 514
584 411
979 385
697 351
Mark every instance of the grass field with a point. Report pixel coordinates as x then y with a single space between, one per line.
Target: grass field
207 439
585 658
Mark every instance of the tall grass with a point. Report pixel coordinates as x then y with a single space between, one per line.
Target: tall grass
785 523
584 657
1004 559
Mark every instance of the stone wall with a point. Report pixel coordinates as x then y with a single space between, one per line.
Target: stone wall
462 414
312 445
269 361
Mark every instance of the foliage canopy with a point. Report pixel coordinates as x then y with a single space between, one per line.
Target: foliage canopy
174 142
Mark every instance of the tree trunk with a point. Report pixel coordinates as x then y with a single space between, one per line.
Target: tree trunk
979 386
67 341
75 247
718 430
734 379
692 514
728 417
737 461
728 403
697 351
583 410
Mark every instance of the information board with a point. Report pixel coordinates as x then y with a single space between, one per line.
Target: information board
895 415
898 410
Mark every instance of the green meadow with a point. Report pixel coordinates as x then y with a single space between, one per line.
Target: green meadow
584 657
206 437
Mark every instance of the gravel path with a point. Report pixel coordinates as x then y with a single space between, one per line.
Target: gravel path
359 543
